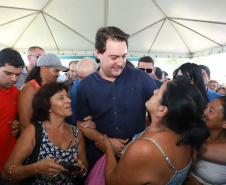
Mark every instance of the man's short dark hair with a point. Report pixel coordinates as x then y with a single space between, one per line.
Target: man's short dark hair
35 47
158 73
11 57
165 73
109 32
73 62
146 59
206 69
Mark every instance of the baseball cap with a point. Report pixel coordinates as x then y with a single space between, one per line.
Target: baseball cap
51 60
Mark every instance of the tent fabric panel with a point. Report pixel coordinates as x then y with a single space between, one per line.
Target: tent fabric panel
31 37
131 16
27 4
208 10
84 16
13 30
67 39
169 40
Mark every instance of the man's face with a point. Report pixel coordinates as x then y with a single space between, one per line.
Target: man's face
52 74
145 65
212 86
9 76
72 73
113 60
164 78
32 56
205 77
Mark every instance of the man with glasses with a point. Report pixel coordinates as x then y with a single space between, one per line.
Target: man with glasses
33 54
146 64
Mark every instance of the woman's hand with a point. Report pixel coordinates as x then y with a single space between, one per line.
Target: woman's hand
83 170
49 168
102 145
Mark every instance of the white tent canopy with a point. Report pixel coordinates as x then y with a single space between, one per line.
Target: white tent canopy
159 28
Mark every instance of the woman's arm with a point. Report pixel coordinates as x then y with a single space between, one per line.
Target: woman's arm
82 160
135 166
215 152
82 150
21 151
25 98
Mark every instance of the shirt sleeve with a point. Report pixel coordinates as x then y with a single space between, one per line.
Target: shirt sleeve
149 86
82 108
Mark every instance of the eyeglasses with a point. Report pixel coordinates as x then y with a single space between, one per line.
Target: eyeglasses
59 156
36 56
148 70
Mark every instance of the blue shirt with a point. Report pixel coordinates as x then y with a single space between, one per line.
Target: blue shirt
117 108
158 82
212 94
71 119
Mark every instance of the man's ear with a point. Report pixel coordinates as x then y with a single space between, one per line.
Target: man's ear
43 68
98 54
154 69
162 111
209 78
137 67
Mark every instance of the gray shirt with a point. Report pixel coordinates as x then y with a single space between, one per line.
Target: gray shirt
22 78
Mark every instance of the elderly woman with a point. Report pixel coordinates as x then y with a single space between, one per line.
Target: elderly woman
162 154
210 167
60 142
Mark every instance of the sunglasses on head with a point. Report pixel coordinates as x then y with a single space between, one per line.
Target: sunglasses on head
148 70
36 56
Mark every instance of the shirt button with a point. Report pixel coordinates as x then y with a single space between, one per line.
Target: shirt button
114 98
116 128
115 113
132 89
113 83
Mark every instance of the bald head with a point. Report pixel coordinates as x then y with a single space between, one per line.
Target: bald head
85 67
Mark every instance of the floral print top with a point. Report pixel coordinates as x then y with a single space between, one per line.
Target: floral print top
49 150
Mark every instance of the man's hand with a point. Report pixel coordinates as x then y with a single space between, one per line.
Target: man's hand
15 125
88 123
118 145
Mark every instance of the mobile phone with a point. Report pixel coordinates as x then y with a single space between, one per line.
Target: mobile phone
70 167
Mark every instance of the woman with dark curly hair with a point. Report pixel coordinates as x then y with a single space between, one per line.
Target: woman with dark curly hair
46 70
162 154
60 142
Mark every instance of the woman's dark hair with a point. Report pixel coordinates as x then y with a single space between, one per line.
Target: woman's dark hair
41 101
223 102
109 32
34 74
194 73
185 108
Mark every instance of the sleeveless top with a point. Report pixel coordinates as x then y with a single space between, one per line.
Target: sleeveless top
34 82
179 176
47 150
208 172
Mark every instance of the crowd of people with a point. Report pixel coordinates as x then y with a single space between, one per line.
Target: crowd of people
153 130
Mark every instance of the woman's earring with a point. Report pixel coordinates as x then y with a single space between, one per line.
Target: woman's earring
49 110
